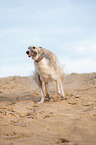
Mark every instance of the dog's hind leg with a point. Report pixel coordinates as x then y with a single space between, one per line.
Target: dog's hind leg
60 87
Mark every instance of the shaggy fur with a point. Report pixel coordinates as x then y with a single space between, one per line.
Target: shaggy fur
46 69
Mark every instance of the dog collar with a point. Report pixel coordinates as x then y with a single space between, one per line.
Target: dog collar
39 59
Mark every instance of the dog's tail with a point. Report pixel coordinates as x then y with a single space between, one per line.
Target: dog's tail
62 72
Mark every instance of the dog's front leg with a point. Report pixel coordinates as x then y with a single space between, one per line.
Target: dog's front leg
47 92
41 85
42 93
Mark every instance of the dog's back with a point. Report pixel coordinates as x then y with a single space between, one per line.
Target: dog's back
49 68
51 57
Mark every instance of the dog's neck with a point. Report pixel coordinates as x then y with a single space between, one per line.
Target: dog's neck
39 59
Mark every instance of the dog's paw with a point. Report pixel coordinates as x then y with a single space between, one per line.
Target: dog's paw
61 94
50 100
40 102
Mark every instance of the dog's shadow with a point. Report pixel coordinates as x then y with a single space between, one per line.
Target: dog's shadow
30 94
34 96
21 96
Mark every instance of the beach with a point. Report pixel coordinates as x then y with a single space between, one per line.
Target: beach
64 121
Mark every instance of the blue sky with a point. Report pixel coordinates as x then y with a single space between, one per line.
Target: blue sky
66 27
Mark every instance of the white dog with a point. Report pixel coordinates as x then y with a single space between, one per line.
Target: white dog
46 69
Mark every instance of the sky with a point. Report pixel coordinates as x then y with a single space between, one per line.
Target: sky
65 27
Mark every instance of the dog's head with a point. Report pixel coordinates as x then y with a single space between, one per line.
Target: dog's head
34 52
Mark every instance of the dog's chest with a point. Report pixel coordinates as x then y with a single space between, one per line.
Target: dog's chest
45 70
42 66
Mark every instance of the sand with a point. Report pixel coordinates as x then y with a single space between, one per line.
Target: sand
69 121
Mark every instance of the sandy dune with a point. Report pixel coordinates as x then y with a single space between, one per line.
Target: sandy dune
62 122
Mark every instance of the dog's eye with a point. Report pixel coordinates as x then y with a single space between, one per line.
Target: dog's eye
33 47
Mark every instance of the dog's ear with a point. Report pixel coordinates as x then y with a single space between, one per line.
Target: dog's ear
40 50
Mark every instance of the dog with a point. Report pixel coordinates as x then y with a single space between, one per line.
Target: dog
47 69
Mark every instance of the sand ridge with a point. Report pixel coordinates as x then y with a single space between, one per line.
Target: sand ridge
71 121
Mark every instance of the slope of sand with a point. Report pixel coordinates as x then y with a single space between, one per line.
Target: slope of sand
70 122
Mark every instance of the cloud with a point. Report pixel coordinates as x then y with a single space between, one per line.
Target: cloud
21 69
68 28
88 47
6 32
80 66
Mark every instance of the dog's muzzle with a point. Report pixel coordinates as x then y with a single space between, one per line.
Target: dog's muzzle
27 52
31 53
